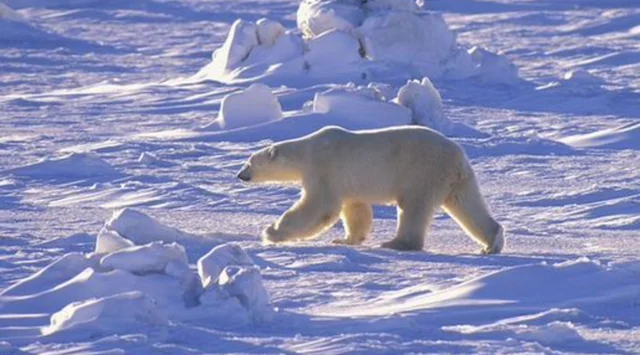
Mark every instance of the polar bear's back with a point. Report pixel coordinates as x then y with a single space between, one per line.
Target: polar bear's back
380 163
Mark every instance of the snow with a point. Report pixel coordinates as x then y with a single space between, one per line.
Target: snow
144 259
236 113
243 37
245 284
425 103
332 47
117 314
109 241
142 229
423 39
315 17
268 31
362 107
623 137
211 265
351 40
124 230
69 166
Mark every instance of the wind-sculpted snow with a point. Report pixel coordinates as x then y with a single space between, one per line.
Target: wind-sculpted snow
124 229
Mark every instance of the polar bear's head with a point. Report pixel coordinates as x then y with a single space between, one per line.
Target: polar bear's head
271 164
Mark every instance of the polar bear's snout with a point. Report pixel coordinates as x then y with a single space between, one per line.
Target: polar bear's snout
245 173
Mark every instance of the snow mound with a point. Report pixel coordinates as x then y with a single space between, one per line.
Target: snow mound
117 314
142 229
140 288
348 106
255 105
144 259
210 266
623 137
360 108
493 68
70 166
352 40
425 103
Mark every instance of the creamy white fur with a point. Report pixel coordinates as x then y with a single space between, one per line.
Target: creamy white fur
343 173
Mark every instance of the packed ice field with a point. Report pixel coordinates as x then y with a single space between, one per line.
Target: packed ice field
124 229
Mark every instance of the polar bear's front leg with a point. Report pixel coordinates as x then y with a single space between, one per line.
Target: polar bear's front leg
310 216
357 218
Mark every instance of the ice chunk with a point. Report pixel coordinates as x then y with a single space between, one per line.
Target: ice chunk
242 38
211 264
363 107
423 39
333 47
425 103
120 313
144 259
317 16
285 47
148 158
268 31
109 241
236 111
142 229
245 284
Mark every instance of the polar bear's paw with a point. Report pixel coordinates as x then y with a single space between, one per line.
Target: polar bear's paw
497 245
273 235
348 241
402 245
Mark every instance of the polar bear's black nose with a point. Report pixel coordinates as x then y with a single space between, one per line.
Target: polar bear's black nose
245 173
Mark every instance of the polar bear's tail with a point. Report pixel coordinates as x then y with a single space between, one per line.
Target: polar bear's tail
467 207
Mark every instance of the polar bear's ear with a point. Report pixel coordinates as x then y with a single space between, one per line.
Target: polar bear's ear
273 153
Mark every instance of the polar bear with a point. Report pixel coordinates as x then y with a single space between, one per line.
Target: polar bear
343 173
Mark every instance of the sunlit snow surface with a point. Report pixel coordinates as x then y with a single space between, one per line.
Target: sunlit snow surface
100 110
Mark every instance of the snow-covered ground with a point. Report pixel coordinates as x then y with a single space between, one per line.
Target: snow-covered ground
123 229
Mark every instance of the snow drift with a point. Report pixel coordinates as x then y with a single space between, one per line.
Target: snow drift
69 166
513 292
623 137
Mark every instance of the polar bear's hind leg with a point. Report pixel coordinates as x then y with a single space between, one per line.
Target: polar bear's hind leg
467 207
414 217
